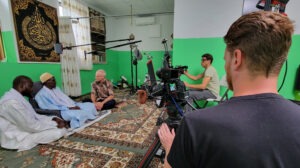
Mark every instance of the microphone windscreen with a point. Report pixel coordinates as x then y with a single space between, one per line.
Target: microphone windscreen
58 48
131 37
164 40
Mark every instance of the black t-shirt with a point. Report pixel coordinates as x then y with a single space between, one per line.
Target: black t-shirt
244 132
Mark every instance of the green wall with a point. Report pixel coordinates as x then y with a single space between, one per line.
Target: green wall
121 66
124 64
118 63
189 51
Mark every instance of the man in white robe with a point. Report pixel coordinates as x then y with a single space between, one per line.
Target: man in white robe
51 97
21 127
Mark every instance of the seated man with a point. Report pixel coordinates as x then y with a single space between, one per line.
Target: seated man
210 86
102 94
21 127
51 97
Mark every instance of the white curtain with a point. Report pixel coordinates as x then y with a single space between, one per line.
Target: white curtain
74 9
69 61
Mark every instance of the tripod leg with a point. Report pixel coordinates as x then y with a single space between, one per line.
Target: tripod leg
150 153
188 103
188 107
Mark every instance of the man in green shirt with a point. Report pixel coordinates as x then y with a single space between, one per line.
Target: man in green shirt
210 86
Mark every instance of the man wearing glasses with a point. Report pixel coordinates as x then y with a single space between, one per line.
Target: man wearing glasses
210 86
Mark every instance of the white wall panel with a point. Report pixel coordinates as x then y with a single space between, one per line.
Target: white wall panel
212 18
151 35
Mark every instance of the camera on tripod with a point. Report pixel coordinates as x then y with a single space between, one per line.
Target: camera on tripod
170 90
172 93
171 84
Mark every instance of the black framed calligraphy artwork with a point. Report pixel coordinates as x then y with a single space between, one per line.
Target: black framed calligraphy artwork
36 26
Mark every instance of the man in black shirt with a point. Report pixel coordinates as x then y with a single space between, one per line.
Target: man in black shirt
256 127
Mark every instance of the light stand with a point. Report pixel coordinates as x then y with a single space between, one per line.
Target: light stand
138 56
136 75
132 91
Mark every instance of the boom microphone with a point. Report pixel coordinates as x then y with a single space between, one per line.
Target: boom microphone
58 48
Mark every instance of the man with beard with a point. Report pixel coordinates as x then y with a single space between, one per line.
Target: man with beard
21 127
255 128
102 94
51 97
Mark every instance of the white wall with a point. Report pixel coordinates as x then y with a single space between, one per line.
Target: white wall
151 35
212 18
292 10
204 18
5 16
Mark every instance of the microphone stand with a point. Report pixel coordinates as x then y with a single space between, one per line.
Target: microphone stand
135 62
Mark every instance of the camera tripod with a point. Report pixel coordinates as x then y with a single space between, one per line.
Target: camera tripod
156 150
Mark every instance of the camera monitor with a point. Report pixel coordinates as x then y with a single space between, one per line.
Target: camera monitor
151 73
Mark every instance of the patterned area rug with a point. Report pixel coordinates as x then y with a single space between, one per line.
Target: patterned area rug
119 140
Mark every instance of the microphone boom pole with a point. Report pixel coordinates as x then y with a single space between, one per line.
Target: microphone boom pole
133 42
58 47
131 68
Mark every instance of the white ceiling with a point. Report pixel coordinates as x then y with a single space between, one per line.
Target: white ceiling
123 7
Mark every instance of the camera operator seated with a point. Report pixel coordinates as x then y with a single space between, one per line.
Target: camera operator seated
210 86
